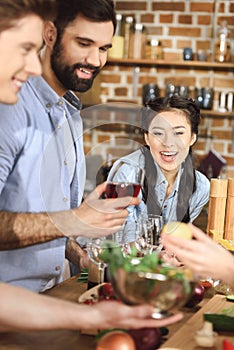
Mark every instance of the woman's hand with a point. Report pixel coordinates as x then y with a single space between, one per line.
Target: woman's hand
202 255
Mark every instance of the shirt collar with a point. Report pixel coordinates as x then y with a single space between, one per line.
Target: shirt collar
44 92
72 100
161 177
49 97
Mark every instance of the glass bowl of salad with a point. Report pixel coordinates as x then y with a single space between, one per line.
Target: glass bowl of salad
147 279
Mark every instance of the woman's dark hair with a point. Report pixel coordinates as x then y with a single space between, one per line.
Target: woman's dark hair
188 179
94 10
162 104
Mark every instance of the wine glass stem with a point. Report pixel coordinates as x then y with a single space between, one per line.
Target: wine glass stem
101 272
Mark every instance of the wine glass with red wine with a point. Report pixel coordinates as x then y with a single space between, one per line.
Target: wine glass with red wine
124 179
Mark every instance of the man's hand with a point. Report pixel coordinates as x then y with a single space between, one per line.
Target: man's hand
76 254
95 216
103 216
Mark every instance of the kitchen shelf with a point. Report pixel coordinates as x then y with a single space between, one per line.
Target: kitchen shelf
187 64
211 113
125 106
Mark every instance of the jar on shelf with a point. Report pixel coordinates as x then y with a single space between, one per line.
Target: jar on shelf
117 49
137 41
149 92
154 49
128 24
222 45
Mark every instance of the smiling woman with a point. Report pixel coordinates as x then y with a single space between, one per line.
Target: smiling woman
172 188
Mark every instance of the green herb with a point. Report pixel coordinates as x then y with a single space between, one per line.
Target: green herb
114 257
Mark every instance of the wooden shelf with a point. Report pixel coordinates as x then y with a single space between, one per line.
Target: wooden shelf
187 64
125 106
211 113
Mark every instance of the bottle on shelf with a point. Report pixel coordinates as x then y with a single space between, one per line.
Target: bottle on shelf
117 49
137 41
222 45
128 23
154 49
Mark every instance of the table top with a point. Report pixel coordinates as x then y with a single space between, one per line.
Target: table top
70 290
184 338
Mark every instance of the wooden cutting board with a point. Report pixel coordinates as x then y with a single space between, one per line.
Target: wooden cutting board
183 339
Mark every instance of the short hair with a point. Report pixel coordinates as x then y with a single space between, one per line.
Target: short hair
93 10
13 10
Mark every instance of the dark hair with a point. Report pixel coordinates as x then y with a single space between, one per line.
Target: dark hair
187 184
13 10
94 10
162 104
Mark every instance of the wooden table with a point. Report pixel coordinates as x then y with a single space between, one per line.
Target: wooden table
183 339
74 340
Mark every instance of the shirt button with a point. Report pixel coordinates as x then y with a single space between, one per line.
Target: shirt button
48 105
165 206
65 199
60 102
59 126
57 268
65 162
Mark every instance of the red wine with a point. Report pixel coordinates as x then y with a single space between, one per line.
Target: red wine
122 189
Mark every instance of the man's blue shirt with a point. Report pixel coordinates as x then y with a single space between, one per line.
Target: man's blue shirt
42 169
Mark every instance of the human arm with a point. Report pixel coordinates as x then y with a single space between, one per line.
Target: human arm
201 255
92 218
22 309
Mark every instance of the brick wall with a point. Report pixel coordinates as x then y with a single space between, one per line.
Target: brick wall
177 24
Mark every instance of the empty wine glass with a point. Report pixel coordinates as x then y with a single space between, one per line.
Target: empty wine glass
94 249
125 179
148 234
127 236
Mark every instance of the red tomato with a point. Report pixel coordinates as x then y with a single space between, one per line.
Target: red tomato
106 292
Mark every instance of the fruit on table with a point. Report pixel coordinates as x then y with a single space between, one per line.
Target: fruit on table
106 292
116 340
177 229
197 296
146 338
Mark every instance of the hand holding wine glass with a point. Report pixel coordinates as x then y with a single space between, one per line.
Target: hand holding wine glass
125 179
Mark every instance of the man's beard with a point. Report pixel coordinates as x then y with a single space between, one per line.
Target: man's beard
67 74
